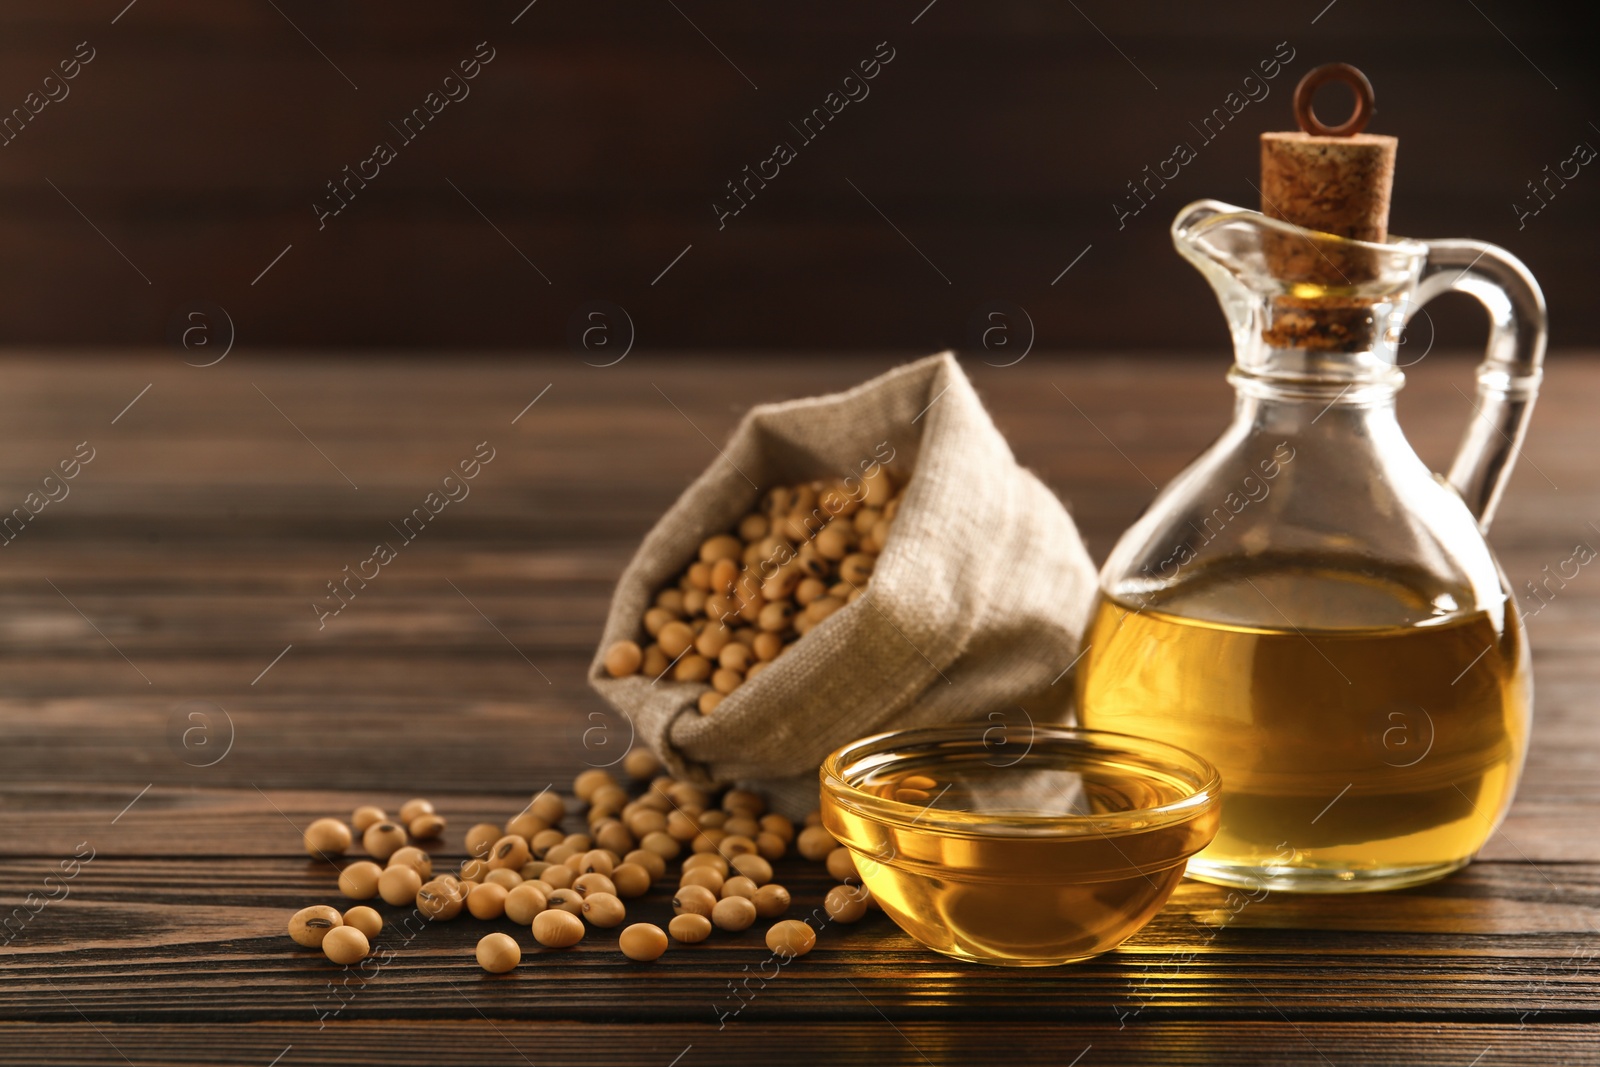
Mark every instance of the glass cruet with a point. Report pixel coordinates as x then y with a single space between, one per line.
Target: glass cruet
1307 605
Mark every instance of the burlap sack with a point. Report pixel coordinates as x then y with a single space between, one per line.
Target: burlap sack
976 605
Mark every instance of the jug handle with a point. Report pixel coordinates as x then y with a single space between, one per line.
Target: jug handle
1508 377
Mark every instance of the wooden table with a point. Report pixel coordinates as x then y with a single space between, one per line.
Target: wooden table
178 575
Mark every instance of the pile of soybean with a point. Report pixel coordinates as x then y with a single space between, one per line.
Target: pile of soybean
561 885
807 551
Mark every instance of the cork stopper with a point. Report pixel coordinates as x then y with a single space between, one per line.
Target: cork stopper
1335 180
1338 185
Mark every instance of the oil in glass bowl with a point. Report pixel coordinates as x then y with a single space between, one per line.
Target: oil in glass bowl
1019 846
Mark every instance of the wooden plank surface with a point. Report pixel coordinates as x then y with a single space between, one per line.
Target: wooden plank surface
185 560
1002 140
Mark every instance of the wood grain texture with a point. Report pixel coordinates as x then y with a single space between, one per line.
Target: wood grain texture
190 549
959 1044
1001 141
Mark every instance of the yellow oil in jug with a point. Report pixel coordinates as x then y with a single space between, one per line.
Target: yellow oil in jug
1356 752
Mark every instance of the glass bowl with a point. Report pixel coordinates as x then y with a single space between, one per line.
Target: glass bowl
1021 846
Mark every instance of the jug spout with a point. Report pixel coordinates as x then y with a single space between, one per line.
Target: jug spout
1303 306
1316 315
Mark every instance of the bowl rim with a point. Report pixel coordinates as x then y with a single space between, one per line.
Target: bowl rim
837 789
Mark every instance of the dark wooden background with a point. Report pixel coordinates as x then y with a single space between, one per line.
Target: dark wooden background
182 568
996 142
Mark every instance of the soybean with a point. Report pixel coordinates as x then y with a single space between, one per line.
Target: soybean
359 881
702 876
642 942
504 877
846 903
439 899
604 909
557 929
559 877
734 845
814 843
548 806
383 839
630 880
487 901
412 856
412 808
645 821
689 928
623 658
675 638
733 913
327 837
692 668
586 884
568 900
345 945
498 953
694 898
662 845
365 816
770 846
738 886
809 548
771 900
584 785
722 546
524 824
707 859
309 926
399 885
781 825
596 861
543 841
523 903
613 836
791 938
682 826
641 763
707 840
510 851
752 867
481 838
426 826
365 919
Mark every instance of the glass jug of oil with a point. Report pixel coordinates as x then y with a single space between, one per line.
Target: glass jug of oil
1309 607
